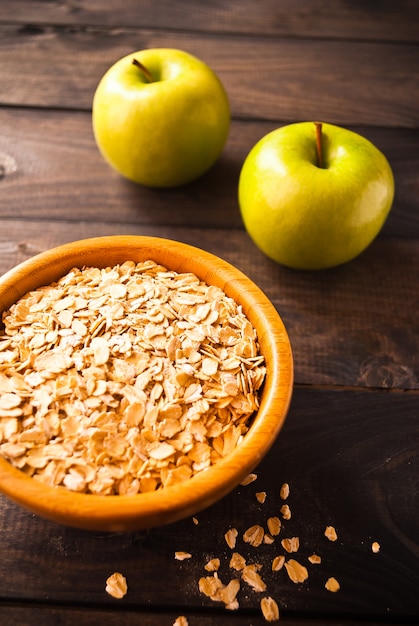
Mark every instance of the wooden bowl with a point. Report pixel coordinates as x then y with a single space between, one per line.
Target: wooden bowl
145 510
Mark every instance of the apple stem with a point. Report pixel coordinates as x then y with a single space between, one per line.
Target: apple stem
144 70
318 126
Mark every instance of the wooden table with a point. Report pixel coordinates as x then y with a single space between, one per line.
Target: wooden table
350 446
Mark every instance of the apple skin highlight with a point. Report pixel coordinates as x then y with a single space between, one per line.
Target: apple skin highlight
308 217
163 133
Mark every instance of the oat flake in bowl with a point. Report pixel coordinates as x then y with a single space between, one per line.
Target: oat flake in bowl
141 380
125 379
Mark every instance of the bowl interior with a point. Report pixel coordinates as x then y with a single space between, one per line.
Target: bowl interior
132 512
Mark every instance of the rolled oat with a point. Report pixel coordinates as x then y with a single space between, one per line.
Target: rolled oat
315 559
270 609
213 565
278 563
332 585
125 379
182 556
284 491
261 496
274 525
116 585
330 533
285 512
251 576
237 561
291 544
250 478
254 535
231 537
217 591
298 573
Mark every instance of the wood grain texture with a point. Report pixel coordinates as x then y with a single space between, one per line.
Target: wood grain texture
345 456
384 20
52 169
297 79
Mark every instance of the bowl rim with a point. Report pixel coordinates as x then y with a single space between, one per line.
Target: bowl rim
169 504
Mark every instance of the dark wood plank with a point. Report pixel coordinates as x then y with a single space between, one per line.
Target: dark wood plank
281 79
34 614
300 18
353 325
52 169
351 460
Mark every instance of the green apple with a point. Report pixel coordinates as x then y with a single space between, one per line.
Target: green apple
314 195
160 117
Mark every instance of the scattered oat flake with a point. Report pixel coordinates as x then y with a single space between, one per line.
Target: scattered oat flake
251 576
330 533
231 537
286 512
254 535
250 478
332 584
270 609
278 563
116 585
182 556
181 621
297 572
291 544
261 496
195 521
375 547
228 593
284 491
210 586
237 561
213 565
213 587
315 559
274 525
